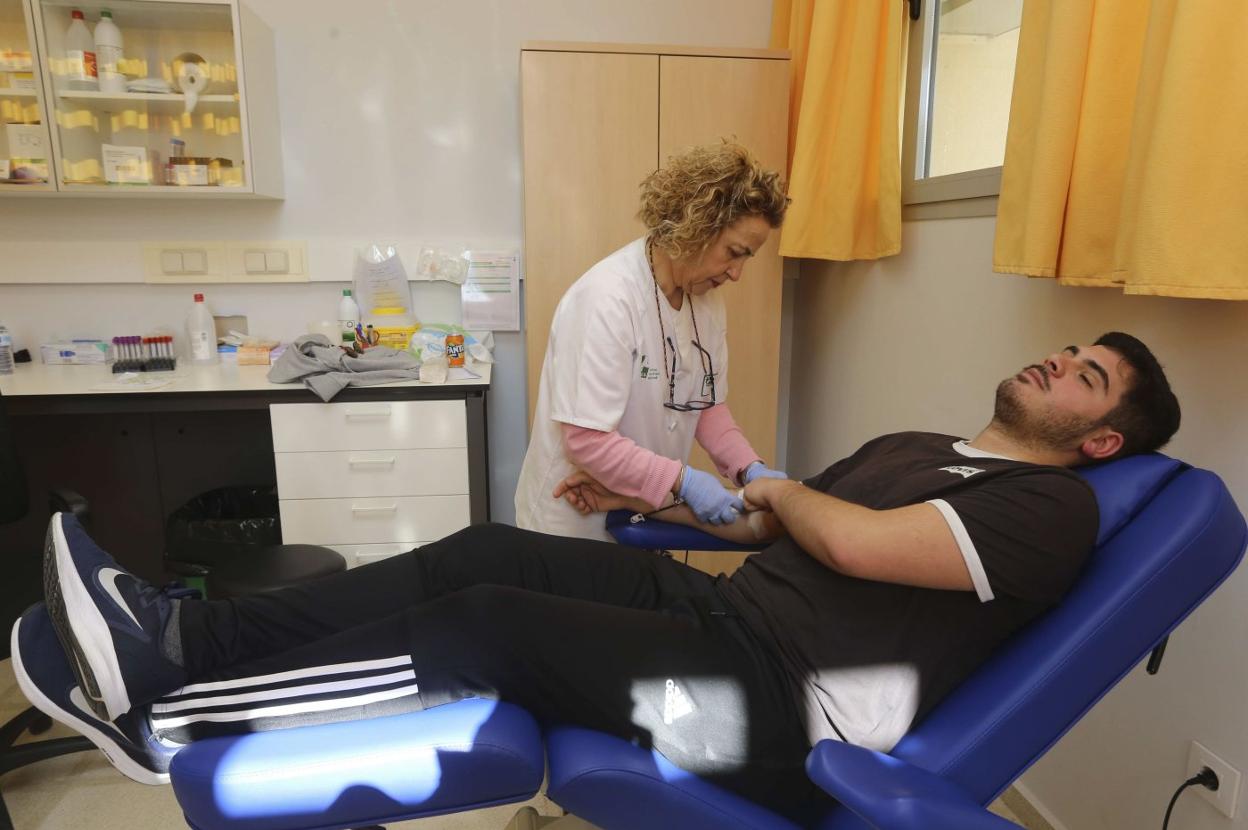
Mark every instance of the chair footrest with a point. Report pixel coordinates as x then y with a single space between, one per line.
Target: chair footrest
464 755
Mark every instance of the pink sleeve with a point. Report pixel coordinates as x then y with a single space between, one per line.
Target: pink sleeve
621 464
724 442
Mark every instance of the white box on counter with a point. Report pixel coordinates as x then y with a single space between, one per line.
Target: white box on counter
74 352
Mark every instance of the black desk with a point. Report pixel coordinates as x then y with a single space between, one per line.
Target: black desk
139 455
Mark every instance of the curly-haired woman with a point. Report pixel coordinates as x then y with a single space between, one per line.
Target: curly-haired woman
637 363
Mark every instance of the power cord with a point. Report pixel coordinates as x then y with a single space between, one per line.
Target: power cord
1206 778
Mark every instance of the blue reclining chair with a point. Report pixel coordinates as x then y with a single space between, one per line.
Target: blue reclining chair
1169 535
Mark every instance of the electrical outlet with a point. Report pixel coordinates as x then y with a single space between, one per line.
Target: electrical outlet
1225 796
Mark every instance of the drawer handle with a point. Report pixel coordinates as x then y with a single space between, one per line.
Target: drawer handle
382 411
390 508
371 462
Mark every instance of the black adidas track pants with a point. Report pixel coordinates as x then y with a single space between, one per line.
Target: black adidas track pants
577 632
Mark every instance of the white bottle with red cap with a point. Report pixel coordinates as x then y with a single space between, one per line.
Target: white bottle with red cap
80 68
201 333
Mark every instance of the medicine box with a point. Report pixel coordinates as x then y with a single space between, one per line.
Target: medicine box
253 355
128 165
74 352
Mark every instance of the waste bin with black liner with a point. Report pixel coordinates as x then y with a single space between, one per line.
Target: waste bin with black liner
232 537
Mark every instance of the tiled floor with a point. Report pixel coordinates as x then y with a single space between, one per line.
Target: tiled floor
84 791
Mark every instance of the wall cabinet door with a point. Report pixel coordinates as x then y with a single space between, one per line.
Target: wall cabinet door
590 125
703 100
25 146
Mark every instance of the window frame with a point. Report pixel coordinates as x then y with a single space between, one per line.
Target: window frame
953 188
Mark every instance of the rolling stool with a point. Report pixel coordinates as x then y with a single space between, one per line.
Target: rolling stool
276 566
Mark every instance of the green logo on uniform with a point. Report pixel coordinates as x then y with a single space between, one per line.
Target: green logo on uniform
646 372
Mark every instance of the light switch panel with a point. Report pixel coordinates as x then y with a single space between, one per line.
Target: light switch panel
171 262
276 262
253 262
195 261
184 262
266 261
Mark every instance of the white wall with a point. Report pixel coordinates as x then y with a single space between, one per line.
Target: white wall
400 121
919 341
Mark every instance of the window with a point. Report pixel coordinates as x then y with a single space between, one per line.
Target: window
960 77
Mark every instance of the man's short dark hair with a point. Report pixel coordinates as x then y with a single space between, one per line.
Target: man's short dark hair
1148 414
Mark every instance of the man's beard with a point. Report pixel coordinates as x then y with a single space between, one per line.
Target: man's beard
1036 430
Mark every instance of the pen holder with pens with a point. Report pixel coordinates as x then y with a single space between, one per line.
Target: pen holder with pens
143 354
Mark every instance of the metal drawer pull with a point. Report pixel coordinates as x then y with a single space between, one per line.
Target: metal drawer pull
371 462
382 411
390 508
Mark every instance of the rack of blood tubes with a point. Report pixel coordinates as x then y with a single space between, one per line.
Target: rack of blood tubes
143 354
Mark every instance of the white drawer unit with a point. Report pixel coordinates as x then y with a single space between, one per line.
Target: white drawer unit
357 555
372 478
325 475
368 425
371 521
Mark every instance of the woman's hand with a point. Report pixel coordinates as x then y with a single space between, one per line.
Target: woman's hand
758 469
588 495
708 499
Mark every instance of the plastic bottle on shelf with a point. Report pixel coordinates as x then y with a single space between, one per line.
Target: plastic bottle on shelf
201 333
108 54
6 351
81 72
348 315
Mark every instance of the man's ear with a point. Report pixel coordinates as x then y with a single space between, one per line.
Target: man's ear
1103 443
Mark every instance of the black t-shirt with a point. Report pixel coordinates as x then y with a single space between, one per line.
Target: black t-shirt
868 658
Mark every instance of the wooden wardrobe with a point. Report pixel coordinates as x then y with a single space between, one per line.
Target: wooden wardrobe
597 119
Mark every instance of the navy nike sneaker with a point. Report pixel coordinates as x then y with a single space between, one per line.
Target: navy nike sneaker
44 675
109 621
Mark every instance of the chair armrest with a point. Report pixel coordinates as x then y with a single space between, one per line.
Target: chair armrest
64 500
891 794
654 534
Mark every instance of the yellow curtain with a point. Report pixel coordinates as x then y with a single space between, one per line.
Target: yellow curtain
844 157
1125 161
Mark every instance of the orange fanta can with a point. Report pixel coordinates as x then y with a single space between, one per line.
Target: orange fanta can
454 350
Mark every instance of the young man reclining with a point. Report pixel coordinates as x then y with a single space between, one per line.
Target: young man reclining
894 573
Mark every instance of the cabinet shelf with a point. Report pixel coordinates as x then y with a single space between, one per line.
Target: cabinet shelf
10 92
165 103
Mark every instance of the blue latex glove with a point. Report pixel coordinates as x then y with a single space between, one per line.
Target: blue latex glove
708 499
760 470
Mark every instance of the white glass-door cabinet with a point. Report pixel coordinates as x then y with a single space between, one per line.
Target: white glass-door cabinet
175 99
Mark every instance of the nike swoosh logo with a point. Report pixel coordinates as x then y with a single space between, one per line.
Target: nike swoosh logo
79 701
107 577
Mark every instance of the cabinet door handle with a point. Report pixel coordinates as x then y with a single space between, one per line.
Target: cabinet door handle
389 508
382 411
371 462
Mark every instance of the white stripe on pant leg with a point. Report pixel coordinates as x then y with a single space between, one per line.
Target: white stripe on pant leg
284 710
294 674
353 684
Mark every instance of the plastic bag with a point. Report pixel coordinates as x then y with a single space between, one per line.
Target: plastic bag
430 342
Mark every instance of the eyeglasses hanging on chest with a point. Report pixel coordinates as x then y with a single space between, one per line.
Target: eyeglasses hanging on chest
669 365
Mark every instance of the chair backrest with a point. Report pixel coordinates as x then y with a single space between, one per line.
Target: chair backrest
14 500
1170 534
20 582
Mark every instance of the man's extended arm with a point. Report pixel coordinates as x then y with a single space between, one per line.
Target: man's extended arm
907 545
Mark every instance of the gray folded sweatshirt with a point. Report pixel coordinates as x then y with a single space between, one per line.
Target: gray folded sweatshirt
326 369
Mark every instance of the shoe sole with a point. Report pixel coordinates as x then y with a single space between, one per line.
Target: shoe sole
83 631
116 756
